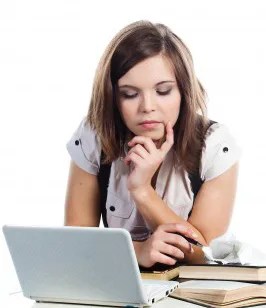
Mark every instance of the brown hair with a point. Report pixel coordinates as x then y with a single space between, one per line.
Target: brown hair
133 44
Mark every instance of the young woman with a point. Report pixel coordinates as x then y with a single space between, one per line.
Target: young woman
147 117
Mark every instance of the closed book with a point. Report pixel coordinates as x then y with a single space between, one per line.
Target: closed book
160 272
236 272
215 293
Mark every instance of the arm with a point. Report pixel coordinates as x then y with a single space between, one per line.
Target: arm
215 196
214 205
82 198
211 212
156 211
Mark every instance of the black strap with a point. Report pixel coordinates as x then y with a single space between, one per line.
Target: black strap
195 179
195 182
103 178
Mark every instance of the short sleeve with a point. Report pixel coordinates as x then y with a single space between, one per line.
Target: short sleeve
221 152
84 148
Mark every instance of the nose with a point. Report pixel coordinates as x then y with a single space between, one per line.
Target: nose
148 103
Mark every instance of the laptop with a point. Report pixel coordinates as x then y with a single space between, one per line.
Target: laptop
81 265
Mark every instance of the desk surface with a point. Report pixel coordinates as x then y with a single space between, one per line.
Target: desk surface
19 301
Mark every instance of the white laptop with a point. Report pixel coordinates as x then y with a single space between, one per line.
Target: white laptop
81 265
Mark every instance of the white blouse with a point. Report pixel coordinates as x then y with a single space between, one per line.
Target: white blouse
220 153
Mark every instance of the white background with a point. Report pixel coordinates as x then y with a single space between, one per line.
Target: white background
48 54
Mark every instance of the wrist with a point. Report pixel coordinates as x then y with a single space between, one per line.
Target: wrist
138 248
141 192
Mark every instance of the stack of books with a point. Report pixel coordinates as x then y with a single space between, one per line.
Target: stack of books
230 285
215 285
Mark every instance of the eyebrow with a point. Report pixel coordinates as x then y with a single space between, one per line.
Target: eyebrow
157 84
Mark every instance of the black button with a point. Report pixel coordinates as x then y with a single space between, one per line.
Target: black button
112 208
76 142
225 149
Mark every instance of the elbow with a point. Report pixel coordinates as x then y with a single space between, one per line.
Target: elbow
213 234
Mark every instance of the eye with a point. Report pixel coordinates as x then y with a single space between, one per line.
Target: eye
128 95
166 92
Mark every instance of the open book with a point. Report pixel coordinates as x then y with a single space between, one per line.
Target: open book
236 272
221 293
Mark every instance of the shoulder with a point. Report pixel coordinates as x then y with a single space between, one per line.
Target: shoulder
216 133
84 148
220 152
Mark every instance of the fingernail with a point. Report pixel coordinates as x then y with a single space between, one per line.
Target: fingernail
193 234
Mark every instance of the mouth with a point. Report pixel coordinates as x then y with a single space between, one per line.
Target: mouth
150 124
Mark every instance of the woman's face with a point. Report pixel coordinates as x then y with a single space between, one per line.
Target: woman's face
149 97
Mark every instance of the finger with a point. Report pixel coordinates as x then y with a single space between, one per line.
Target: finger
133 157
178 241
171 251
166 146
145 141
139 150
164 259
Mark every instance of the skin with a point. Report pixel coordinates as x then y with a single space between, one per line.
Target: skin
149 92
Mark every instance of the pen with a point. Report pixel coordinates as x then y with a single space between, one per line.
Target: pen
190 240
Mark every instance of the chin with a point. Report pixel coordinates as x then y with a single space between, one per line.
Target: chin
155 136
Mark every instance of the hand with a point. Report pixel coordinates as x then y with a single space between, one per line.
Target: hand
144 158
164 246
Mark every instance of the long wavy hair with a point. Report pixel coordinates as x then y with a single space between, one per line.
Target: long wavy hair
133 44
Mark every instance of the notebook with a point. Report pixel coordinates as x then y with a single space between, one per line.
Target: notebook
213 293
81 265
224 272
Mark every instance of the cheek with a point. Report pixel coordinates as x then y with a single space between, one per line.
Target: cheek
172 112
126 112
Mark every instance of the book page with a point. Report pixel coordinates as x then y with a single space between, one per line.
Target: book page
213 284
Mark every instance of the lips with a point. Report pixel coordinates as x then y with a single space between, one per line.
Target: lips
149 122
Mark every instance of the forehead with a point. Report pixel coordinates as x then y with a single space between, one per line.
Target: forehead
149 72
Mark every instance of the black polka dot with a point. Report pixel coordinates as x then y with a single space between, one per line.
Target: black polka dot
112 208
76 142
225 149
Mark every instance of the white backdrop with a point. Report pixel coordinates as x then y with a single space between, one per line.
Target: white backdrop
48 54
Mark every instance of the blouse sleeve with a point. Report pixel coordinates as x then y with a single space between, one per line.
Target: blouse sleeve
220 153
84 148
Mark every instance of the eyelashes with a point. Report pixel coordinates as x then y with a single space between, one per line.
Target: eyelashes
134 95
128 96
162 93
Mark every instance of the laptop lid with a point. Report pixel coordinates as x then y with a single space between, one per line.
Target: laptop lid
76 264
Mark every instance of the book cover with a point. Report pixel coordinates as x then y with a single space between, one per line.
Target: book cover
160 272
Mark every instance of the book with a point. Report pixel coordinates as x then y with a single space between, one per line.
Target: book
216 293
159 272
160 275
236 272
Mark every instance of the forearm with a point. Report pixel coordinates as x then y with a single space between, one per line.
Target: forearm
156 212
82 198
